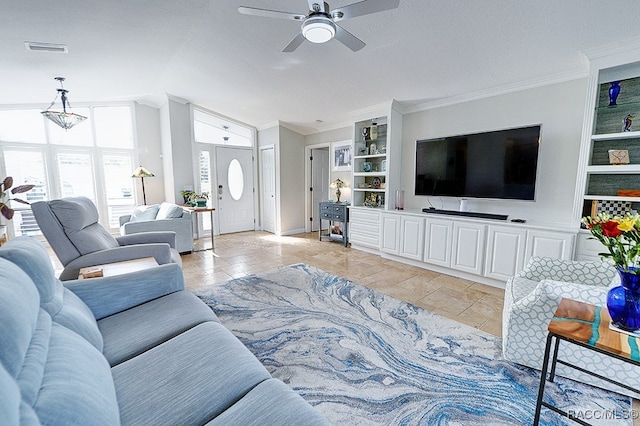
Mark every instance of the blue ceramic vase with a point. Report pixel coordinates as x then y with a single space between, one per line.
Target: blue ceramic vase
614 91
623 301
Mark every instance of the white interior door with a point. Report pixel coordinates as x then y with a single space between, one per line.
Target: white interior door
268 189
234 175
319 181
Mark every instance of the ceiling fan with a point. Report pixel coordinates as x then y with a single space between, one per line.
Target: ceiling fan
320 26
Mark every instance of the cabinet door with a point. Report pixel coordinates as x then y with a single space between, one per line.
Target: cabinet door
588 248
412 237
468 247
505 252
558 245
390 234
437 246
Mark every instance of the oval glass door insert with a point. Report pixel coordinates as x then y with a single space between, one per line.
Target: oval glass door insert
235 179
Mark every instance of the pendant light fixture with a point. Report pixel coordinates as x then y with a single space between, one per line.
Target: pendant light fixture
64 119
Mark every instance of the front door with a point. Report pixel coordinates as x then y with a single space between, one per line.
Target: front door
234 191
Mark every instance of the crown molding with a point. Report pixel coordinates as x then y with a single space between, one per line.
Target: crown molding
497 91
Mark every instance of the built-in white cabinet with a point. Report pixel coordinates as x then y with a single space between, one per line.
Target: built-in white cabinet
390 233
541 243
488 251
587 247
467 250
505 251
402 235
437 242
364 228
411 237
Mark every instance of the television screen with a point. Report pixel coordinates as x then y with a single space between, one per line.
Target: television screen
499 164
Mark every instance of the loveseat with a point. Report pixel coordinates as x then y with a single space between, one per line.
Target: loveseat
161 217
128 349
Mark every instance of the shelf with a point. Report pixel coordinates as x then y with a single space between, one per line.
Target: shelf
356 157
613 136
370 174
369 189
614 170
611 198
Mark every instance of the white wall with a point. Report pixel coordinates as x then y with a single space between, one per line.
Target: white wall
292 184
176 136
149 151
558 107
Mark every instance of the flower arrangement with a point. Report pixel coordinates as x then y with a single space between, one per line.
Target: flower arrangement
7 183
621 236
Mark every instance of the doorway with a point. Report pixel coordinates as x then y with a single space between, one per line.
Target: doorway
318 171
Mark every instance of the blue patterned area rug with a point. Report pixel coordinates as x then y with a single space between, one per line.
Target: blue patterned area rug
361 357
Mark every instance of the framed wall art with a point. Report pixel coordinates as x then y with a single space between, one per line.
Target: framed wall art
341 156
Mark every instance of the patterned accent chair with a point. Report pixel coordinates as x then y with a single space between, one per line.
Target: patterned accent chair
532 297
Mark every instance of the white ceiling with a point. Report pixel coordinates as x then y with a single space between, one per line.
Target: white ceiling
206 52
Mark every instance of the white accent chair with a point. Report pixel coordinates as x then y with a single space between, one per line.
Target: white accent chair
532 297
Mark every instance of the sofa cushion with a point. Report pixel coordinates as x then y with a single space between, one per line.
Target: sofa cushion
61 378
141 213
79 219
63 306
270 403
169 211
189 379
131 332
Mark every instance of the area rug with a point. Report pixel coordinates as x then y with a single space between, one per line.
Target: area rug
363 358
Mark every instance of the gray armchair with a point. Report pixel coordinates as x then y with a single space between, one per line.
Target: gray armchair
161 217
71 227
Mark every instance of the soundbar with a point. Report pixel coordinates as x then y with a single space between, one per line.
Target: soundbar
468 214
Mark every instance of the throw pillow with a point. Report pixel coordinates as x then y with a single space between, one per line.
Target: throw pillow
141 213
169 211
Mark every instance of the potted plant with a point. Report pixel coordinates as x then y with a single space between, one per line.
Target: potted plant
5 209
201 199
188 196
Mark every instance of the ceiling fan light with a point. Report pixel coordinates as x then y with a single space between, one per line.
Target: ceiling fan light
318 30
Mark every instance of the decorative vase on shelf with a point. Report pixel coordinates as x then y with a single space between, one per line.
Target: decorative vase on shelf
623 301
614 91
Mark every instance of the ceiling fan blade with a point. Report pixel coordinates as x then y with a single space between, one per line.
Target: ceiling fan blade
294 43
348 39
271 13
364 7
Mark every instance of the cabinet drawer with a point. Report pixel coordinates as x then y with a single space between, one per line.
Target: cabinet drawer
364 228
364 239
370 217
332 216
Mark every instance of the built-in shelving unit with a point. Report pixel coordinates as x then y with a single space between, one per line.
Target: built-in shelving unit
376 150
614 98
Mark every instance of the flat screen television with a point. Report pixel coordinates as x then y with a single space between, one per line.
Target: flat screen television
500 164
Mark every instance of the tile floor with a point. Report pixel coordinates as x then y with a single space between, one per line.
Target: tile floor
247 253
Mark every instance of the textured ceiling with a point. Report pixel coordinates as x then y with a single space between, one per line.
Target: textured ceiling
208 53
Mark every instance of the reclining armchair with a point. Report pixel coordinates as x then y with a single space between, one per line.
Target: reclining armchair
161 217
71 227
530 300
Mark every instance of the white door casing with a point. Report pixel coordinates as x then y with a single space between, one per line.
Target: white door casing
268 188
319 181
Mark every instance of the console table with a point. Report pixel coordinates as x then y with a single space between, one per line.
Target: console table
334 213
587 326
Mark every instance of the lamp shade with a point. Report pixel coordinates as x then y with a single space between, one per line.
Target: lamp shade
141 172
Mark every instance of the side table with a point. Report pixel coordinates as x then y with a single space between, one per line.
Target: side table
587 326
334 212
204 210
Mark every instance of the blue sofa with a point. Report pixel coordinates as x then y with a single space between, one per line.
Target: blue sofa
128 349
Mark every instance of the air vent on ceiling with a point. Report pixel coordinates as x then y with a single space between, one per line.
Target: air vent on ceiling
45 47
